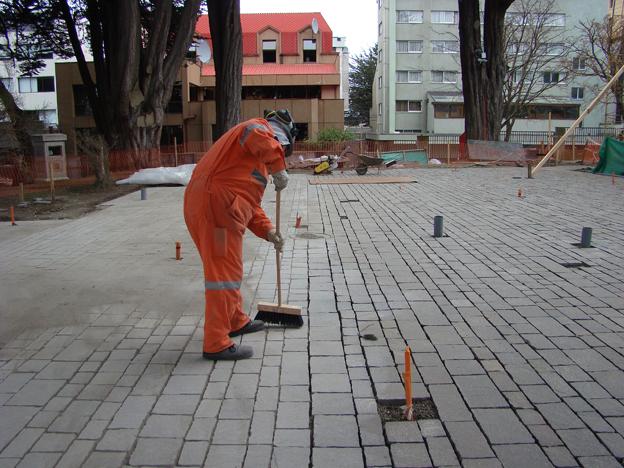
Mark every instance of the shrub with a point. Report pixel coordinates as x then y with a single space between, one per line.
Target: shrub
334 134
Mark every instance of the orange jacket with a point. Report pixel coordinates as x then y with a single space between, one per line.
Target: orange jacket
240 162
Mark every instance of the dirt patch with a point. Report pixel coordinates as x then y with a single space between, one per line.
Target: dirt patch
422 409
70 202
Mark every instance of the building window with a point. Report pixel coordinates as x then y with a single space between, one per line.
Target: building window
444 47
546 19
48 116
410 16
309 50
82 107
409 106
379 109
380 29
578 93
557 112
439 76
517 48
552 77
554 19
40 84
448 110
409 47
405 76
379 82
444 17
8 84
579 64
269 51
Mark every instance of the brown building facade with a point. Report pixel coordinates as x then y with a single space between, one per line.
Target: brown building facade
288 62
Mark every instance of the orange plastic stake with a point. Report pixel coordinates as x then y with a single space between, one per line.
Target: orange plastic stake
12 214
407 378
298 222
519 192
178 248
613 178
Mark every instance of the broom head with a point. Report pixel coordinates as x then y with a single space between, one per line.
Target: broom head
285 315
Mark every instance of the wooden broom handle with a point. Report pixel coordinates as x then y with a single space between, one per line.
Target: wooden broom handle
277 253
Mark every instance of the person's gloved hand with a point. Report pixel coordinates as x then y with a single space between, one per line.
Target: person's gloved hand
280 179
276 239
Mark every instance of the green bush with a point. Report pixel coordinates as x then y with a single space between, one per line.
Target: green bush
334 134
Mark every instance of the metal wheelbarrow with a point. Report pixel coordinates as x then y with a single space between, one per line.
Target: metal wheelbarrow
361 162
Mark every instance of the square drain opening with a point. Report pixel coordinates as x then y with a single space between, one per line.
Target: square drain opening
575 265
393 410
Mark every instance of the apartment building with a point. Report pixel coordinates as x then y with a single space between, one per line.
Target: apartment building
418 84
340 46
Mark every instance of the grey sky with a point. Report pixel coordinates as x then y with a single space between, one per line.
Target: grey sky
354 19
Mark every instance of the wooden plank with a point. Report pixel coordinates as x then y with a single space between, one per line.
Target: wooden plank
281 309
362 180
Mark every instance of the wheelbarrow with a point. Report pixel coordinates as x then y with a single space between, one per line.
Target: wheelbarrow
361 162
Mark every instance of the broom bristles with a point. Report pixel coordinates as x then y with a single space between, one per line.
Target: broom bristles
286 320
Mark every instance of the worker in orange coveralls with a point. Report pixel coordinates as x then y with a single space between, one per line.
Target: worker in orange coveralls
221 200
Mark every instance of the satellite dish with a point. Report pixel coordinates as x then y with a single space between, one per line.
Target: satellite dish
203 51
314 25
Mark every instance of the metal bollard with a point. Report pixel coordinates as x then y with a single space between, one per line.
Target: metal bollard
143 193
438 226
586 235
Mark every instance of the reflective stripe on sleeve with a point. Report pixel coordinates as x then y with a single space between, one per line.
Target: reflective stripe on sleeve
259 177
222 285
248 130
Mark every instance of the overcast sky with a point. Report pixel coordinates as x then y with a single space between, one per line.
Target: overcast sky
354 19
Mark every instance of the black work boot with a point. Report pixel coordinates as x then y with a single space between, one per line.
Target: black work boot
230 354
250 327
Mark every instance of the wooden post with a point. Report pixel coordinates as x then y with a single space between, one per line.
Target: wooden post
580 119
407 378
448 154
574 145
550 139
175 150
21 192
51 174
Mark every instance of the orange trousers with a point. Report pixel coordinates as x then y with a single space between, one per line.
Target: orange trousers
217 229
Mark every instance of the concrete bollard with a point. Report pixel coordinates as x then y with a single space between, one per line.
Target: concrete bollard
438 226
143 193
586 235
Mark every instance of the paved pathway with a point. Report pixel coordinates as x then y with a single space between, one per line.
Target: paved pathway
101 332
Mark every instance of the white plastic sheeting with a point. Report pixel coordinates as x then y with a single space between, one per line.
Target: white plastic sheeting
180 175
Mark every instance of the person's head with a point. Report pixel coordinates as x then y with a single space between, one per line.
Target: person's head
284 128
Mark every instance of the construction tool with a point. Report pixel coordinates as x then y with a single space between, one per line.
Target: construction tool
281 314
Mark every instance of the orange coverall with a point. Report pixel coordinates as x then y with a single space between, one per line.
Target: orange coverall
221 200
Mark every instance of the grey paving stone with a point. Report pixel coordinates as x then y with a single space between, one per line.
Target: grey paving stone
410 455
293 415
377 456
502 426
53 442
242 386
582 443
39 460
152 380
599 462
291 457
132 412
441 452
36 392
560 456
258 455
185 384
236 408
330 383
479 392
292 438
222 456
22 443
118 440
59 370
449 403
294 393
76 454
403 431
371 429
332 403
335 431
332 457
75 417
156 452
173 426
208 409
231 432
468 440
522 455
431 428
262 427
201 429
176 404
559 416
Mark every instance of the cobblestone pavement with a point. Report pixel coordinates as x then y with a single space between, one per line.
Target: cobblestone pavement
523 357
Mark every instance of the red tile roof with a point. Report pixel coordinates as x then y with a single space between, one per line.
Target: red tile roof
280 69
287 24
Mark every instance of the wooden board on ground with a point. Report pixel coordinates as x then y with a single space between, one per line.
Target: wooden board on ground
361 180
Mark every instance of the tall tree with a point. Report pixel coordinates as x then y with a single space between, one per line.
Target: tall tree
533 47
483 66
227 44
361 81
600 52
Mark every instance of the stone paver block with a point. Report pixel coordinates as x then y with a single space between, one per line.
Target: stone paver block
403 431
231 432
156 452
221 456
336 431
502 426
293 415
174 426
521 456
410 455
468 440
333 457
118 440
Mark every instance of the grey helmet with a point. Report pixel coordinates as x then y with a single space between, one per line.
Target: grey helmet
283 125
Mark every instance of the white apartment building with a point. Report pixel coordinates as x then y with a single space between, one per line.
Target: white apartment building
418 84
340 46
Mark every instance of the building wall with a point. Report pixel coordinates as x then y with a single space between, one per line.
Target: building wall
387 90
340 46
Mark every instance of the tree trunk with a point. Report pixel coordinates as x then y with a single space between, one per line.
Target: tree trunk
101 166
227 45
482 76
618 92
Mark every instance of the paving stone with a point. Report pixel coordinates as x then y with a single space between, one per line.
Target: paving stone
332 457
521 456
292 457
293 416
502 426
332 403
36 392
132 412
449 403
258 455
330 383
600 462
262 427
176 404
335 431
201 429
22 443
173 426
292 438
221 456
403 431
231 432
582 443
185 384
39 460
75 417
479 392
156 452
468 440
410 455
441 452
118 440
371 429
560 456
377 456
559 416
76 454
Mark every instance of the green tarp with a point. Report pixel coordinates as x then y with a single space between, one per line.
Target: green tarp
611 157
419 156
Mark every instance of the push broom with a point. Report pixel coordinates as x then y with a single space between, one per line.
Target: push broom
281 314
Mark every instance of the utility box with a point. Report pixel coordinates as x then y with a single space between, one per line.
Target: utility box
49 156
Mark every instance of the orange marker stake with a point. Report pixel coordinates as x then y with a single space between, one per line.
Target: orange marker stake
178 249
613 178
520 194
12 214
407 378
298 222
